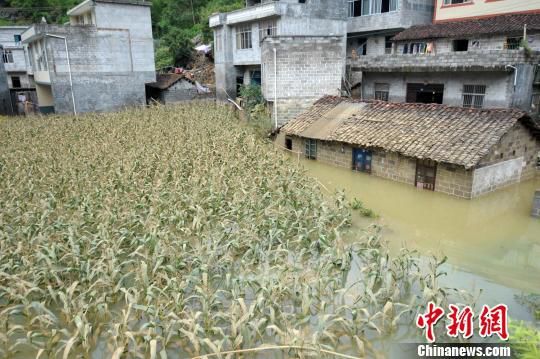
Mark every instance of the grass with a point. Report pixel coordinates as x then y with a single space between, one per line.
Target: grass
177 232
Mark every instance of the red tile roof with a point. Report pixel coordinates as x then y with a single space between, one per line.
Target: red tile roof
511 24
455 135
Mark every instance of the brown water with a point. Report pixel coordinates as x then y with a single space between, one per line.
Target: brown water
492 237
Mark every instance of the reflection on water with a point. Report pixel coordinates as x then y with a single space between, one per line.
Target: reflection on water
491 236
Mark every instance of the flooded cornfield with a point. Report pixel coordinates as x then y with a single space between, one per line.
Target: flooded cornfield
492 243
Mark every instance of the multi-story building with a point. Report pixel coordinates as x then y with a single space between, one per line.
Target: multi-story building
476 54
5 102
14 57
297 49
100 61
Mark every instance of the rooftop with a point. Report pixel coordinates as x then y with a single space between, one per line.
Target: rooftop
165 81
511 24
454 135
86 5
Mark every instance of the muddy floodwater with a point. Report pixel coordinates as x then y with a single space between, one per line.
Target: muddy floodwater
492 242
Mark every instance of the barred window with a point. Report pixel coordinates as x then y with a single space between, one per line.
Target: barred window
7 56
267 28
473 96
243 37
513 43
535 101
311 149
382 91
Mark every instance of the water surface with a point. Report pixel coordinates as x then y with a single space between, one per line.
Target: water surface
493 236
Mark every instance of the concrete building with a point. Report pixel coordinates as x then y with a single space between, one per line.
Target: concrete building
300 32
101 61
485 62
5 101
454 10
458 151
14 57
298 49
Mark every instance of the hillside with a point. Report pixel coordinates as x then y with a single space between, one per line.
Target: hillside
175 22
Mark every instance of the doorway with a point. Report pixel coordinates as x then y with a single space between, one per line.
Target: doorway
425 93
426 171
362 160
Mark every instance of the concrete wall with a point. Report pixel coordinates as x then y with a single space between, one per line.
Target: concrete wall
109 66
316 17
408 13
482 8
307 69
20 65
499 85
137 20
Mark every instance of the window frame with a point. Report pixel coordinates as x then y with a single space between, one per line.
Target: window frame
310 148
474 92
381 91
244 37
267 28
7 56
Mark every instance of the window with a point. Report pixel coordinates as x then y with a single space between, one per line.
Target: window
243 37
388 45
7 56
368 7
460 45
17 39
453 2
535 101
288 143
473 96
416 48
358 46
15 82
513 43
382 91
311 149
267 28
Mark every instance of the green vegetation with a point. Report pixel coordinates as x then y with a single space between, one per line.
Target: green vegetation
175 230
357 205
524 340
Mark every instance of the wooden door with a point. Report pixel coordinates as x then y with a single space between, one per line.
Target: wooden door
426 171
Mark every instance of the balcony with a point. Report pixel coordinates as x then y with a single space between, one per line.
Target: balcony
254 13
451 61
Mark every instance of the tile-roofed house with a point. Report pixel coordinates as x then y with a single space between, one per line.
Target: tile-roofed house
170 88
511 24
471 151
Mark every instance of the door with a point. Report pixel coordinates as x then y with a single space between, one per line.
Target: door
362 160
426 171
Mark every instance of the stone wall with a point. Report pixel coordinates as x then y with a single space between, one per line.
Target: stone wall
181 91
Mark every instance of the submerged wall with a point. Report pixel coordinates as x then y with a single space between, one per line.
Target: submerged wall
495 173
